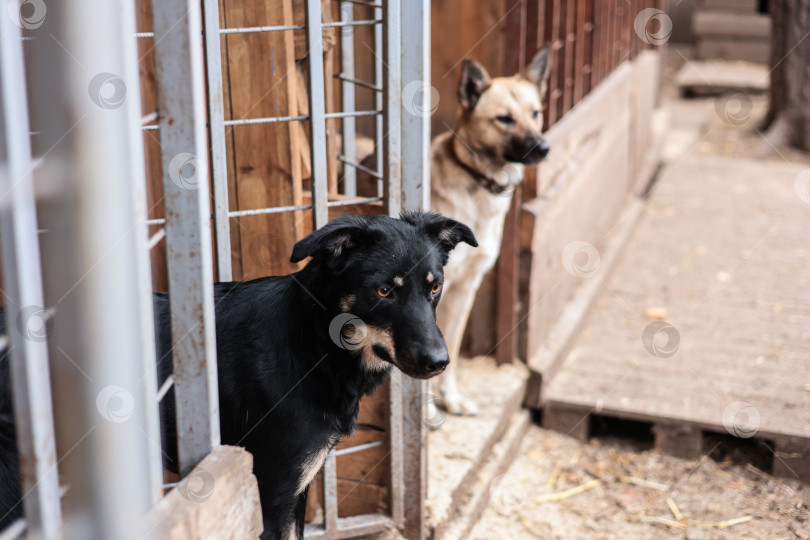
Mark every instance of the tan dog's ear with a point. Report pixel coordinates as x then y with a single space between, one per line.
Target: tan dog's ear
474 81
539 68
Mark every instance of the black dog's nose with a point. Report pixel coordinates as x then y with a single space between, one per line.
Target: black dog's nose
435 361
543 148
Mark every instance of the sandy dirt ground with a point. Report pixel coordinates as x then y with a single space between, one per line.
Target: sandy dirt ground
561 489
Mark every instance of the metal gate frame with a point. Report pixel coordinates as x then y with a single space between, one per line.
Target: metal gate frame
402 142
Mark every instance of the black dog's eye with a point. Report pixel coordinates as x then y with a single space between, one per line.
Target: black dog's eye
505 119
383 292
535 114
436 288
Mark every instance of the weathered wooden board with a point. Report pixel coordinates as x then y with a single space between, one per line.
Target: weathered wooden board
218 499
262 82
585 183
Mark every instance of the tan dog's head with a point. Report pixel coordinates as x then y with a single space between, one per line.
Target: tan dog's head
502 117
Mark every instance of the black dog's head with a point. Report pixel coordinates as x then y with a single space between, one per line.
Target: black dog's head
382 280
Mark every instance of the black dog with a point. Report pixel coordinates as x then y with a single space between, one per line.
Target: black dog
296 353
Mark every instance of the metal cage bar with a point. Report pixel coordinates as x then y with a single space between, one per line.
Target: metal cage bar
180 90
391 142
416 108
347 98
317 111
23 285
379 98
216 126
391 167
88 173
143 245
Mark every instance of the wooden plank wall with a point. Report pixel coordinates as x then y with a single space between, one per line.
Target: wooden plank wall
261 80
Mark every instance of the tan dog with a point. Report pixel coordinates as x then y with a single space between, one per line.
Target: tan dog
474 170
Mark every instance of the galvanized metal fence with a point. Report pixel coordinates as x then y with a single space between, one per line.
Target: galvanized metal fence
95 321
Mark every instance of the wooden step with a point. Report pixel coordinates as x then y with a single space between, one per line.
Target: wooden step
716 77
758 51
752 26
740 6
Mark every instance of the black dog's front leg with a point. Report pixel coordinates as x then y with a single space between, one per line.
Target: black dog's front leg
284 522
301 513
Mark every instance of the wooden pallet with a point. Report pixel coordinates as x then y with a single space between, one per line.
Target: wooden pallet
684 439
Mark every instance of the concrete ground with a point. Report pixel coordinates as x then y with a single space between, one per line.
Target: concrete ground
620 488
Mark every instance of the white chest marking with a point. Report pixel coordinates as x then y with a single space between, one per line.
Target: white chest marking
312 465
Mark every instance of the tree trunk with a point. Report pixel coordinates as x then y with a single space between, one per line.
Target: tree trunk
789 109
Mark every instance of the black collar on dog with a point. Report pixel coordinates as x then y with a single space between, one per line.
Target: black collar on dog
485 181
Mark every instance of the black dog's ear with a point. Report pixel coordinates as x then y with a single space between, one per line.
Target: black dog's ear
447 232
334 238
538 70
474 81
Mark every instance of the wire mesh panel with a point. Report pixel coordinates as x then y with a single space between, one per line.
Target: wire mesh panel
314 197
